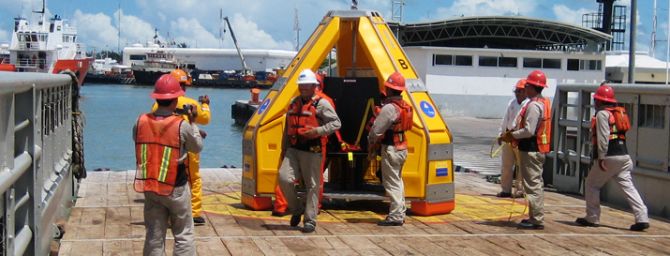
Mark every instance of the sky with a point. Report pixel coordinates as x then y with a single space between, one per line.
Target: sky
270 23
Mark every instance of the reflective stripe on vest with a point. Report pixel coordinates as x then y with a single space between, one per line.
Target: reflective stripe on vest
299 117
543 130
157 146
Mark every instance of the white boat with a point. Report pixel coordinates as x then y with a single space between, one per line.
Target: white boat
49 46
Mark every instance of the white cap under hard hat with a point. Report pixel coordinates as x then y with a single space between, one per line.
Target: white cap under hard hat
307 76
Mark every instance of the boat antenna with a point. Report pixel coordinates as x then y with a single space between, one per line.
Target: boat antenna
43 7
653 32
354 4
118 36
296 28
221 28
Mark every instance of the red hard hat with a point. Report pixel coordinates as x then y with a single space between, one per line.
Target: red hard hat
605 93
167 87
537 78
520 84
395 81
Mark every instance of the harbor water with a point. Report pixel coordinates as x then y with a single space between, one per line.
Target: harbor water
111 111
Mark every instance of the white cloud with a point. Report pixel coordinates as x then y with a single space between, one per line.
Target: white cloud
485 8
191 32
566 14
94 29
4 36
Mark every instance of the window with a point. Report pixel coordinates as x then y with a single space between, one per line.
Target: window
463 60
551 63
532 63
507 62
138 57
573 64
440 59
651 116
486 61
590 65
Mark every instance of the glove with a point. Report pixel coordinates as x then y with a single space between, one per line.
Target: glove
203 134
507 137
204 99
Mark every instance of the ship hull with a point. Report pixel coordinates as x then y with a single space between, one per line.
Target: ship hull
147 77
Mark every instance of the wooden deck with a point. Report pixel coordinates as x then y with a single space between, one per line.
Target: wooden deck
108 220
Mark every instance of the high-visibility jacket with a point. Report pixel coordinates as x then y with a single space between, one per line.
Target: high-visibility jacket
301 117
395 135
619 124
541 140
157 146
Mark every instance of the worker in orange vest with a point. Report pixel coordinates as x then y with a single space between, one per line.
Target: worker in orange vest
611 160
307 120
533 136
202 116
162 140
388 132
280 206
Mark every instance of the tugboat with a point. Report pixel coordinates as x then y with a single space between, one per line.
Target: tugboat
50 46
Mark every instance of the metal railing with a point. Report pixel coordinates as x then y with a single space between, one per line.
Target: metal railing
36 178
31 63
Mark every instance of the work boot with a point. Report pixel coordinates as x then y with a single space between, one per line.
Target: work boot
198 221
504 194
585 223
295 220
387 223
529 225
309 227
639 226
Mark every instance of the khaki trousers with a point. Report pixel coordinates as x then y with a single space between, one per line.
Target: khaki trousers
531 170
174 209
509 159
392 161
619 168
298 164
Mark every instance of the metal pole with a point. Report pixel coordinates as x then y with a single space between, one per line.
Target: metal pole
631 47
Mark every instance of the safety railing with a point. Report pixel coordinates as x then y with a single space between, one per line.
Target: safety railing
648 107
36 179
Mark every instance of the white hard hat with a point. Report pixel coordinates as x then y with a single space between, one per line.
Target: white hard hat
307 77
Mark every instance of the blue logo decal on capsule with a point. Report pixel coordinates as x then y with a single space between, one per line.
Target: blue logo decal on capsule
263 107
427 108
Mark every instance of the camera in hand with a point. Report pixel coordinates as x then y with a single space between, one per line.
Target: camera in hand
186 108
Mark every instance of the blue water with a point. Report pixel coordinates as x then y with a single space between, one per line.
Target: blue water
111 111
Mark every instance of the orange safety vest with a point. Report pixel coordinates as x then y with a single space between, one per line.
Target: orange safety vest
395 135
542 135
618 123
302 117
157 145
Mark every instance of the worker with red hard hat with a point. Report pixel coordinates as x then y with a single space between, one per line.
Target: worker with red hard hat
533 137
611 160
202 116
509 150
162 141
388 132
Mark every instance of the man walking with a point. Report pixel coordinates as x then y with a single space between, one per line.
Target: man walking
308 119
611 160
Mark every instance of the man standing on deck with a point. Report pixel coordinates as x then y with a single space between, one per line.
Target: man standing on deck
162 140
388 129
307 120
534 140
611 159
508 151
202 116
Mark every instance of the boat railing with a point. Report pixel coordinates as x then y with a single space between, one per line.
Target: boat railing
36 177
31 63
648 108
31 45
